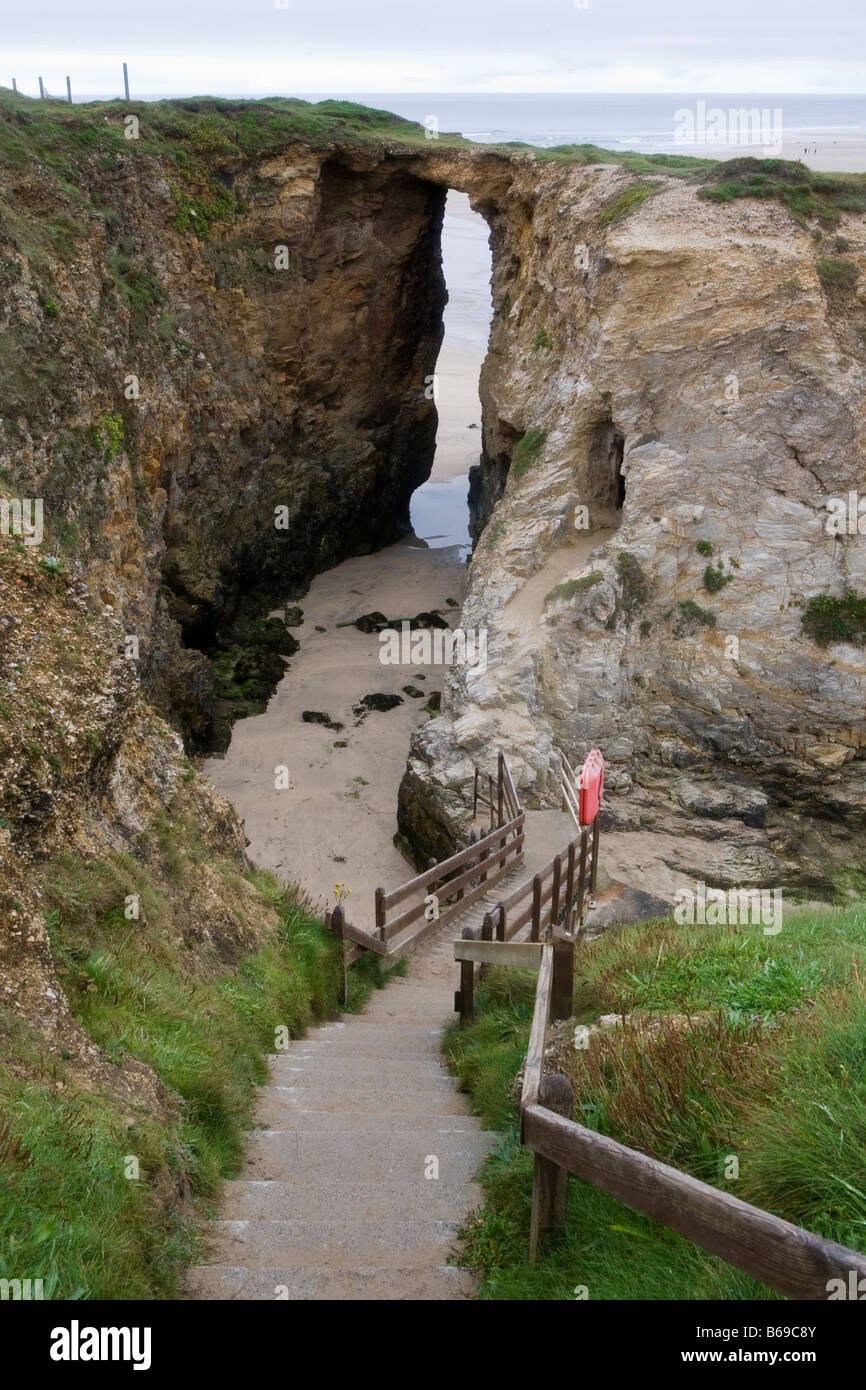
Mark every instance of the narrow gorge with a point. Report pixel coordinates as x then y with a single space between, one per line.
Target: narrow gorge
218 328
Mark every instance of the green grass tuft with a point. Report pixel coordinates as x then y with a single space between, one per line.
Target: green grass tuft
527 451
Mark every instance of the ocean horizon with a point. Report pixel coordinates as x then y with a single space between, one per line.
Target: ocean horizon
642 121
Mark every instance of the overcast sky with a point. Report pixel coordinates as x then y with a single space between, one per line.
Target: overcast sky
334 46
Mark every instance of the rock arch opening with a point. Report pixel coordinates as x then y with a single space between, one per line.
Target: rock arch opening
440 507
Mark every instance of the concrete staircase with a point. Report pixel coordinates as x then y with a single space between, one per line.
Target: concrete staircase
333 1201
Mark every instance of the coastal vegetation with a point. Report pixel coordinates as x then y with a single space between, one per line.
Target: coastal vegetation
101 1195
727 1045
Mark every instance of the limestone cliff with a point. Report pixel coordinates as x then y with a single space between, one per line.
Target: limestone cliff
691 372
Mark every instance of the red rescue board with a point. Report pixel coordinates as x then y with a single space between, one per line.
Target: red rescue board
591 785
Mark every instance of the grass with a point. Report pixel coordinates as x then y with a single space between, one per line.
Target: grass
527 451
806 193
203 1020
828 619
627 201
570 587
681 166
737 1047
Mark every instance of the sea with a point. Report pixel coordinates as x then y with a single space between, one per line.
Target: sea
642 121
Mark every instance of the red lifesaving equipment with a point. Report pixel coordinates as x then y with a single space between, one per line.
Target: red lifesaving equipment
591 787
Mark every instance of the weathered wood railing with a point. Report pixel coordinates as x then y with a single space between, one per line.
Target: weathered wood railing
560 891
570 786
785 1257
499 796
457 882
429 900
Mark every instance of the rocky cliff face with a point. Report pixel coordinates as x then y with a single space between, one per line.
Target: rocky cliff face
672 397
215 344
235 347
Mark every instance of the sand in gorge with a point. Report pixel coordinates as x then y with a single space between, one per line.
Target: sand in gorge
336 820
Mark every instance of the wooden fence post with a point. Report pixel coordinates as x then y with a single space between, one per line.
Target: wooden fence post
465 1000
562 992
536 909
554 895
486 935
482 860
380 913
569 885
500 923
581 877
501 788
337 920
549 1181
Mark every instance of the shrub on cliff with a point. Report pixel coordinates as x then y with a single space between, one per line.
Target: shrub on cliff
805 192
635 587
829 619
835 274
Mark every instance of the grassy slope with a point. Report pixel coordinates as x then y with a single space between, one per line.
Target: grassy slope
70 1213
770 1070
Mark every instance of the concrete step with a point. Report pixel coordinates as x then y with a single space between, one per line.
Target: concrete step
363 1284
333 1202
394 1242
357 1122
277 1154
366 1026
392 1043
360 1199
408 1071
335 1097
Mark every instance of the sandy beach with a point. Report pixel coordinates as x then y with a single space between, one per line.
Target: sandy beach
337 819
830 152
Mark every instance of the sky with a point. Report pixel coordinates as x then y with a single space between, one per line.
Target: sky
298 47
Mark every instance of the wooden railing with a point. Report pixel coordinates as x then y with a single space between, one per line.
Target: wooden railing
785 1257
431 899
570 787
499 796
457 881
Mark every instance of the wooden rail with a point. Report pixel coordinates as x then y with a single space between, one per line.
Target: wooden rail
785 1257
446 888
793 1261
